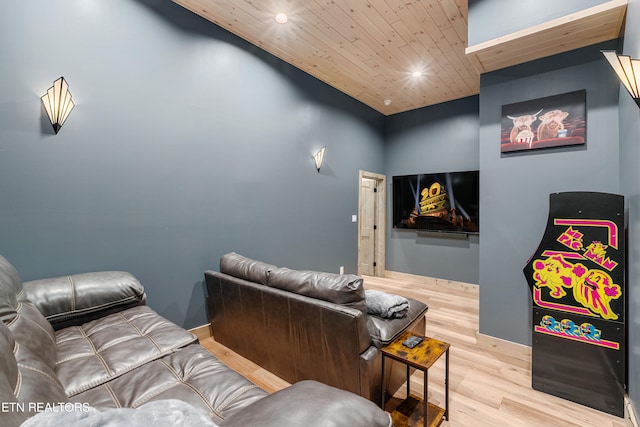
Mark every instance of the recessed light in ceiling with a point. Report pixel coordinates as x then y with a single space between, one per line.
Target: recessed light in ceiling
281 18
416 74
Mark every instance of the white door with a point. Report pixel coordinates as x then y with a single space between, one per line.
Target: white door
371 224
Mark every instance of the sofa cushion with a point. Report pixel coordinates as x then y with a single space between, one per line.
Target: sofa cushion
79 298
10 287
25 379
31 330
160 413
330 406
383 331
241 267
103 349
12 414
345 289
191 374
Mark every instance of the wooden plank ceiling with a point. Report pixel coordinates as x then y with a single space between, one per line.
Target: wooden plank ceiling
368 49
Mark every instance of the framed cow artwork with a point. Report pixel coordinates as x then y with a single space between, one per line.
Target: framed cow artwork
553 121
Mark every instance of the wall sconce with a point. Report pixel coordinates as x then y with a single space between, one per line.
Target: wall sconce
319 157
58 103
628 71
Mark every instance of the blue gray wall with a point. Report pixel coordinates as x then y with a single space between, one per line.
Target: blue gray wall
630 185
439 138
186 143
515 188
489 19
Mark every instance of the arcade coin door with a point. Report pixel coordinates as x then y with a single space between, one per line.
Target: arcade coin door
577 279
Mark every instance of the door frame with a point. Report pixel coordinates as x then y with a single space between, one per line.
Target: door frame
380 232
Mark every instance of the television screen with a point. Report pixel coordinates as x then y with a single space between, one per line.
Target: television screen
441 202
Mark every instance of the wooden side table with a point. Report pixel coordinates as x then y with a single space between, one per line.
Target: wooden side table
421 357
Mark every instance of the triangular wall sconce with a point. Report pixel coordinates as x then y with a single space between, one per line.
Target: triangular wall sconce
58 103
628 71
319 158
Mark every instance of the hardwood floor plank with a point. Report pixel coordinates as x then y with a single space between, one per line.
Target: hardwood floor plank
490 383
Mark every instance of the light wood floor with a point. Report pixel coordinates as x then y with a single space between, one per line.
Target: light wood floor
489 386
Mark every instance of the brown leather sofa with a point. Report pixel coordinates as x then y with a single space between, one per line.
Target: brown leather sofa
306 325
88 341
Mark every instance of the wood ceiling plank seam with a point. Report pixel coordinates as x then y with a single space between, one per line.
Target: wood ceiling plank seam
245 14
436 54
458 23
273 48
435 11
375 44
468 85
236 9
343 27
435 19
463 6
425 39
257 8
329 38
386 12
448 42
358 47
453 10
417 33
466 69
436 69
396 5
433 86
427 24
368 52
373 24
412 41
232 19
318 41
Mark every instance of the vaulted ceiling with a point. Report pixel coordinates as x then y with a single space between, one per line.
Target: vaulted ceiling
399 55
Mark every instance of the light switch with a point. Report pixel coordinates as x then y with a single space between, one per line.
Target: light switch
354 218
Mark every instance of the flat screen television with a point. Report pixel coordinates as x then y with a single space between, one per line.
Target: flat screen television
438 202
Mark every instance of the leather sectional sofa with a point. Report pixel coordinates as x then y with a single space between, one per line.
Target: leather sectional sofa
306 325
89 341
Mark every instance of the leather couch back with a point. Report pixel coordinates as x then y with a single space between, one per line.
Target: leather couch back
9 378
242 267
344 289
27 339
297 337
10 287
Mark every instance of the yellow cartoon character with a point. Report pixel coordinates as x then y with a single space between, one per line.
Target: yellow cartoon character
554 273
597 249
595 290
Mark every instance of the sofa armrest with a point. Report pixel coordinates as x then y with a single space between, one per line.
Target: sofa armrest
73 300
310 404
384 331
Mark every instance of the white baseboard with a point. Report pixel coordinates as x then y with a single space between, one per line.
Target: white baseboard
518 351
398 275
630 418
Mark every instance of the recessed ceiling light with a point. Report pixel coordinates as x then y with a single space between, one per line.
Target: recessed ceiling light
416 74
281 18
